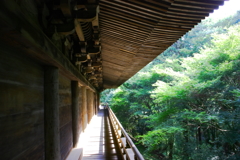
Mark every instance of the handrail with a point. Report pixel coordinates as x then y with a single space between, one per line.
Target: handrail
132 153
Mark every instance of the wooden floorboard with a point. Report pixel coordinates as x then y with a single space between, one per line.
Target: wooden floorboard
100 144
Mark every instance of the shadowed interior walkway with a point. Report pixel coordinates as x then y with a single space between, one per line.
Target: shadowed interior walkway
100 143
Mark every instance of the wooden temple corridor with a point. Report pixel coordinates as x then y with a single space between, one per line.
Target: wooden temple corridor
57 56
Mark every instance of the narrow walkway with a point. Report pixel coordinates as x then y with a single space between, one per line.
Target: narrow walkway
101 143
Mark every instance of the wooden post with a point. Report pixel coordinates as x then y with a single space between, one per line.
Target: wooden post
51 114
75 111
97 101
89 104
94 104
80 116
84 108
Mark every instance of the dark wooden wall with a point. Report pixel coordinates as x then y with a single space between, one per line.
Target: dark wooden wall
25 53
65 116
22 106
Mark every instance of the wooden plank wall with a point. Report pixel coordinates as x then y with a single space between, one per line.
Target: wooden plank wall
22 106
65 116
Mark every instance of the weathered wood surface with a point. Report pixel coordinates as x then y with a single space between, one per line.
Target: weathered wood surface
94 104
100 144
84 107
80 117
133 25
20 29
65 116
75 111
129 28
51 113
22 107
22 111
66 141
89 105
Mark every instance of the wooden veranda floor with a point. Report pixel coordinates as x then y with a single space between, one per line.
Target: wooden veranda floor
101 144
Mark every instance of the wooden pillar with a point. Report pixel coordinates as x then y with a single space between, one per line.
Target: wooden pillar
80 127
75 111
94 104
84 107
97 102
51 114
89 104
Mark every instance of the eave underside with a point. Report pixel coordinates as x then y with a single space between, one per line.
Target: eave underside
133 33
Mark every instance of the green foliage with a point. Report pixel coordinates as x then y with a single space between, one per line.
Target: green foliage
106 96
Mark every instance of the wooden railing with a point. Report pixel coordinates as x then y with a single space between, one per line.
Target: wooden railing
128 149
